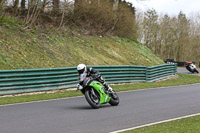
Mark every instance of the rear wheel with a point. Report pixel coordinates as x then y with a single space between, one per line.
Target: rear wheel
92 98
114 100
196 71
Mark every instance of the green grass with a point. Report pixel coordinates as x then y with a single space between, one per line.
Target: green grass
25 48
186 125
38 97
182 79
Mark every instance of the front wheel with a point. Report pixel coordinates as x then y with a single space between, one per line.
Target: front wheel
114 100
92 98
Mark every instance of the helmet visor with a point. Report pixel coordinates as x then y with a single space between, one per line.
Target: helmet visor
81 71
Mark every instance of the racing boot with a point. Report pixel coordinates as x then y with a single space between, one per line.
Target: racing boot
107 88
110 91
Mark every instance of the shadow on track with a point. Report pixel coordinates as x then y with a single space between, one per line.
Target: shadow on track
86 107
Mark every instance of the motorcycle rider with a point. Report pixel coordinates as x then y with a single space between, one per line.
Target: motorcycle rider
187 65
89 71
190 66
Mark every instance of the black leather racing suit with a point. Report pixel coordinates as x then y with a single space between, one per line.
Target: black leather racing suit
92 72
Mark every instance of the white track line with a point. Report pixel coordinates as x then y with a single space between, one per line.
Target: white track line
159 122
40 101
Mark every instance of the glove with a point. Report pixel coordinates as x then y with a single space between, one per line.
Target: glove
79 87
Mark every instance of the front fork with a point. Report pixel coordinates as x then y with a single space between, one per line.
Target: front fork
93 93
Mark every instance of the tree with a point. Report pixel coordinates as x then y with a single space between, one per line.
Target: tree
125 26
44 3
115 5
16 3
2 12
151 30
167 36
23 2
106 16
139 20
182 36
56 6
194 38
2 1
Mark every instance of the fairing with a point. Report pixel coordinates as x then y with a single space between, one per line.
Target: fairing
104 98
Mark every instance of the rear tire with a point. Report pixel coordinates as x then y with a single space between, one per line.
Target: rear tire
197 71
91 99
114 100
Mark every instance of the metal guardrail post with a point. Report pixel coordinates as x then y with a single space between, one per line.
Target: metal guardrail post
175 68
146 74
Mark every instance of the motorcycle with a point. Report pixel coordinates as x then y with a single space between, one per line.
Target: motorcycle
96 94
192 68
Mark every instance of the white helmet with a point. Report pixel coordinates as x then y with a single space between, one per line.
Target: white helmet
81 68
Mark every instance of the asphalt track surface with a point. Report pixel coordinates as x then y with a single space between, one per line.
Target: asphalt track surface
74 115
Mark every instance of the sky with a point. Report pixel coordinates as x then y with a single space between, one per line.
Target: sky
171 7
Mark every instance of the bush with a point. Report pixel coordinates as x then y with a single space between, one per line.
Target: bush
102 18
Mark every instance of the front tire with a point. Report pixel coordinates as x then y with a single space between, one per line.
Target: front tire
94 101
114 100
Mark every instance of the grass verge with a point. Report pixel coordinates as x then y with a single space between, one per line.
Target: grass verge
186 125
182 79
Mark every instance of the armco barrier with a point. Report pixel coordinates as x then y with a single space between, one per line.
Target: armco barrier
33 80
161 71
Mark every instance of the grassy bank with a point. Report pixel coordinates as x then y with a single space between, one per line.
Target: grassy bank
23 47
182 79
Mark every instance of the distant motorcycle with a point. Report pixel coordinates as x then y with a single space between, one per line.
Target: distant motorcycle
192 68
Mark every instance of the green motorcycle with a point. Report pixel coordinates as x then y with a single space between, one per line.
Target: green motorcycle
96 94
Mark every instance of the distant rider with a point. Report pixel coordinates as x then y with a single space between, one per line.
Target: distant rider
190 66
187 65
89 71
